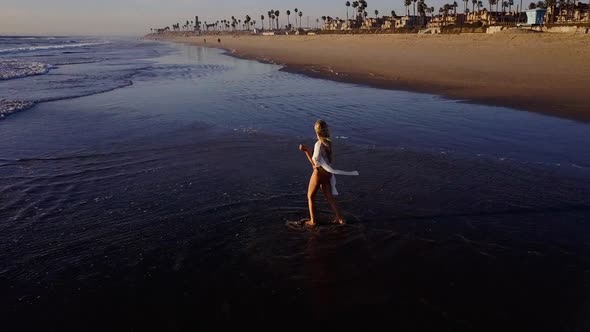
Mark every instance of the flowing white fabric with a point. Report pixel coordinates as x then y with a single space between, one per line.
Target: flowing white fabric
320 161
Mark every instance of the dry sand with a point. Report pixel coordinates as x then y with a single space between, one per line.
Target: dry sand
539 72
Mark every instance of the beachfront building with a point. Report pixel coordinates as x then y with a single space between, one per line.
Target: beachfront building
488 18
332 25
197 26
446 20
407 21
535 16
397 22
372 23
390 22
393 22
350 25
492 18
338 25
573 14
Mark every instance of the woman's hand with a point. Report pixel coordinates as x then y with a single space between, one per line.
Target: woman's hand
307 153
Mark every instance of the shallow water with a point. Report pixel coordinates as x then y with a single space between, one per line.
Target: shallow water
176 201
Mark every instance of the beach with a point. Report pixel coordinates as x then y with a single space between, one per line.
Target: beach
159 186
540 72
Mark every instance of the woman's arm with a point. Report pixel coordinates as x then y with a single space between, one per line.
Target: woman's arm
307 154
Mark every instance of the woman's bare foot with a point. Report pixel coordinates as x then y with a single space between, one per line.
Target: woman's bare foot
339 221
309 223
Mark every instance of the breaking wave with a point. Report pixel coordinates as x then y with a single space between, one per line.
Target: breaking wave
47 47
10 69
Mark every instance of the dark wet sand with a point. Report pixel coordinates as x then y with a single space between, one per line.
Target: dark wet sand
433 242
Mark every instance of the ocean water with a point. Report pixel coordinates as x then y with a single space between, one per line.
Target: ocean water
41 69
160 185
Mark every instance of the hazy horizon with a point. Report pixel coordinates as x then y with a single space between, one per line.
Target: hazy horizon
136 17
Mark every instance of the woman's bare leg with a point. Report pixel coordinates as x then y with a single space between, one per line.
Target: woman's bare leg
314 185
327 190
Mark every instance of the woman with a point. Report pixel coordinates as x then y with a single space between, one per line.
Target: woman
323 173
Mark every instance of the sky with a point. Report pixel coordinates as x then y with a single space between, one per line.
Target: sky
136 17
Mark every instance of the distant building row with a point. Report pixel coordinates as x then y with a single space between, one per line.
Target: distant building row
539 16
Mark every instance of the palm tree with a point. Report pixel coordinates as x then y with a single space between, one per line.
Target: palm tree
363 6
355 5
376 13
414 1
465 5
510 4
447 7
262 21
479 5
300 16
274 19
247 22
474 2
277 16
347 4
551 4
288 20
407 3
491 2
422 8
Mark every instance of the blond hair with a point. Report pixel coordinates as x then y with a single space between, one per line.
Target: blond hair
323 132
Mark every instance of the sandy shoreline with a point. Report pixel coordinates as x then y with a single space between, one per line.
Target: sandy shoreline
537 72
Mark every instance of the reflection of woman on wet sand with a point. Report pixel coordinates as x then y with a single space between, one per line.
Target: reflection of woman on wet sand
323 173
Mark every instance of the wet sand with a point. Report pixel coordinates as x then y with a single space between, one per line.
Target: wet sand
536 72
432 246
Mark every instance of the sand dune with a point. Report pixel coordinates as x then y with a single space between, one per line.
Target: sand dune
533 71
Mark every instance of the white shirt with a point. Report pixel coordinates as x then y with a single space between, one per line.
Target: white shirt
319 159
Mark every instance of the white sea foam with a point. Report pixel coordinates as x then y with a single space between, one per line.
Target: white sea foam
10 106
47 47
10 69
